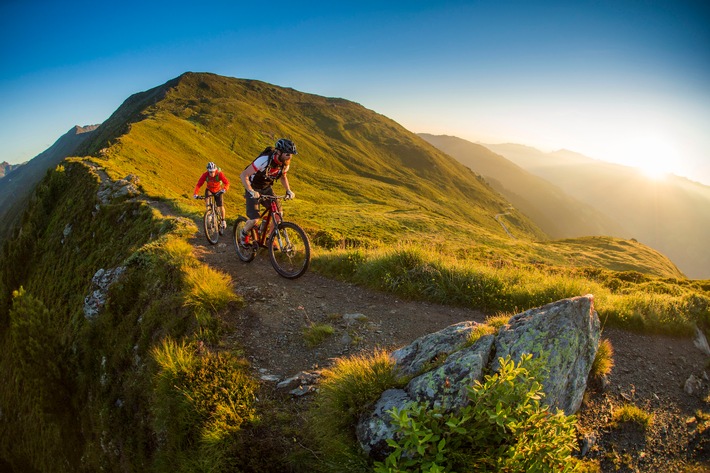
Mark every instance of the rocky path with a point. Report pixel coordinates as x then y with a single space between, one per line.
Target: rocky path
651 372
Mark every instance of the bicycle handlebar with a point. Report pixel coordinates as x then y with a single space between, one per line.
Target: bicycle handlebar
202 197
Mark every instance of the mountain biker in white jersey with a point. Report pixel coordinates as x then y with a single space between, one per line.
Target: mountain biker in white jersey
258 178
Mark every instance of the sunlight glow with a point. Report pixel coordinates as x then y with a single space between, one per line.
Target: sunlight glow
653 153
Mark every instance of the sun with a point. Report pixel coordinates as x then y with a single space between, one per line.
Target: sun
653 154
653 172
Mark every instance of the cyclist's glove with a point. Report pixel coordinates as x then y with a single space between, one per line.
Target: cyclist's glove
194 196
290 194
254 194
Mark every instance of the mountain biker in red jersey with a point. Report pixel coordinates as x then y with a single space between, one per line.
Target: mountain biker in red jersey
215 179
259 177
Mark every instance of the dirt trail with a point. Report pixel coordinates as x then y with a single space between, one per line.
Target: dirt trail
650 371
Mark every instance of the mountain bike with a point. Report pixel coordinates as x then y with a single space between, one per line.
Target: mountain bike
212 219
287 243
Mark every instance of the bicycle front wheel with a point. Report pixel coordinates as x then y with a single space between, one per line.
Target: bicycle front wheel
289 250
211 225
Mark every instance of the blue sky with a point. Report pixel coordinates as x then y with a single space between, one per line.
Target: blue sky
625 81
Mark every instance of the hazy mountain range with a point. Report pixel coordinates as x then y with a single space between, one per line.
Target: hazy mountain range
16 187
569 194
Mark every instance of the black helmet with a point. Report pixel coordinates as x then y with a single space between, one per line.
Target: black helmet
286 146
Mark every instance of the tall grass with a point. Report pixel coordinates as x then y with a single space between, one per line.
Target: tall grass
416 272
346 389
202 400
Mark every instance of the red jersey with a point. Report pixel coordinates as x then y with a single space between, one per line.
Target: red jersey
214 184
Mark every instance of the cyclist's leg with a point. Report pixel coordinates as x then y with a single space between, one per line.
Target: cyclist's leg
252 207
220 207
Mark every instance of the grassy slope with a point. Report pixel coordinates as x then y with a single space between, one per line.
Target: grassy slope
359 176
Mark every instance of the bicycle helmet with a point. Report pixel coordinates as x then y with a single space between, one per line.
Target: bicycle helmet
286 146
211 166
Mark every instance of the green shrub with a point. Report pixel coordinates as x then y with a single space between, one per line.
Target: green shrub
504 428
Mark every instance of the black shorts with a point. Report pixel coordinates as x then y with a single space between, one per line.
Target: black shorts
253 204
217 198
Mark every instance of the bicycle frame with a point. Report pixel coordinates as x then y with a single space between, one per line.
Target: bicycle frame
212 216
286 242
270 219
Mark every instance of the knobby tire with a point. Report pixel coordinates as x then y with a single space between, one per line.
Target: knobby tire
211 225
292 255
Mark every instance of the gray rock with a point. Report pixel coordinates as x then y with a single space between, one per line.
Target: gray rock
414 358
565 334
103 278
447 386
375 428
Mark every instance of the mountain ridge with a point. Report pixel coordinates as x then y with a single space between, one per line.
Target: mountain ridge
17 187
671 215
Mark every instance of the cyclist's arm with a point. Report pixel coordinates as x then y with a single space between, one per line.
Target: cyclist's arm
199 183
244 176
224 180
284 182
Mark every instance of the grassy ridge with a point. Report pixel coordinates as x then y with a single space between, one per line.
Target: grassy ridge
85 394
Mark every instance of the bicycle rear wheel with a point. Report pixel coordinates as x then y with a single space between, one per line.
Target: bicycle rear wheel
246 252
211 224
289 250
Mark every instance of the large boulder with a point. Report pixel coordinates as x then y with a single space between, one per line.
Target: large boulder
564 334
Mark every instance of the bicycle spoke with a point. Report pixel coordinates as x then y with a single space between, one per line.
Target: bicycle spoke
291 256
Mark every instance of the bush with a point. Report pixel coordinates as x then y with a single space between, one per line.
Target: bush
504 428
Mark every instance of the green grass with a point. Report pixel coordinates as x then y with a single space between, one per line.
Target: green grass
347 389
629 300
633 414
604 359
315 334
203 399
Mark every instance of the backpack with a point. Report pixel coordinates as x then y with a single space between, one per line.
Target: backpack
268 150
217 176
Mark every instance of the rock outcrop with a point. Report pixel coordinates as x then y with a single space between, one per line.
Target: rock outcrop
564 334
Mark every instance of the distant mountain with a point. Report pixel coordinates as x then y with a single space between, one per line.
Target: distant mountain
554 210
671 215
16 187
6 168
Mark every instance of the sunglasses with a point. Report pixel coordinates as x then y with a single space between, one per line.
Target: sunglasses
286 155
